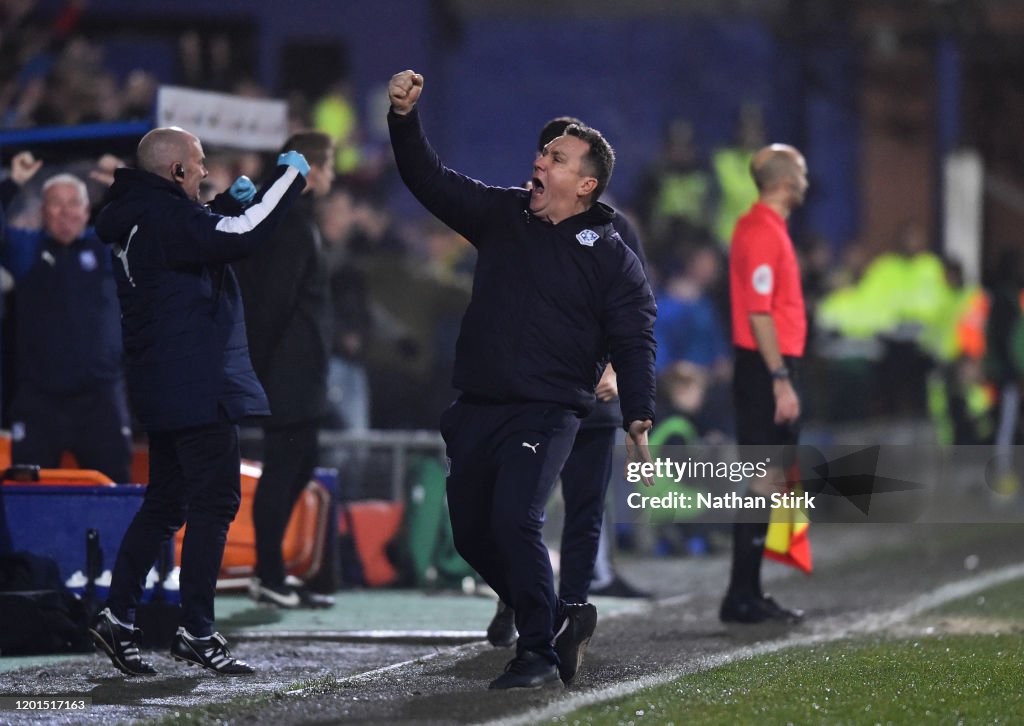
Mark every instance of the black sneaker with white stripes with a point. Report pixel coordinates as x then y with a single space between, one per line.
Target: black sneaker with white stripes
210 653
121 643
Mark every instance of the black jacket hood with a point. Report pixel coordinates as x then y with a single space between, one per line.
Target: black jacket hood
127 199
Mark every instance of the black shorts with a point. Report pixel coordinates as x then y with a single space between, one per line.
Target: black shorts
754 400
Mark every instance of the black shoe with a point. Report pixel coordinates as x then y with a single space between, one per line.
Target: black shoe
527 670
791 616
313 600
120 643
211 653
757 610
572 638
501 633
280 596
619 588
308 599
288 595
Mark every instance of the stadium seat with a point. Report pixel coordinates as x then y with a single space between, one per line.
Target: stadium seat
374 524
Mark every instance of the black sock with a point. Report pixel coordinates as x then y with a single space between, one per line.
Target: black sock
747 553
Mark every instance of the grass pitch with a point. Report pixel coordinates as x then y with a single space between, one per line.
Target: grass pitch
967 670
1004 603
944 679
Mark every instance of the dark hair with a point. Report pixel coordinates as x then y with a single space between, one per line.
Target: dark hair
600 160
314 145
555 128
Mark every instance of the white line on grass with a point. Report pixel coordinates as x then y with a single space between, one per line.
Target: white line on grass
826 632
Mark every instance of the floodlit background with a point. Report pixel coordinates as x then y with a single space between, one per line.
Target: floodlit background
909 114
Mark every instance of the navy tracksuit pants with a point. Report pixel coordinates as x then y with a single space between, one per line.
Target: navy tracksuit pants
504 461
585 478
194 478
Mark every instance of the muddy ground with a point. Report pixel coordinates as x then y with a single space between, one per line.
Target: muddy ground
865 577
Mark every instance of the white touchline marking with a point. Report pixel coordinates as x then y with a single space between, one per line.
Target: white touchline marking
873 622
626 610
394 666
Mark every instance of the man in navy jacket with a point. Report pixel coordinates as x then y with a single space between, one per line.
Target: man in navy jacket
189 376
555 291
70 387
585 556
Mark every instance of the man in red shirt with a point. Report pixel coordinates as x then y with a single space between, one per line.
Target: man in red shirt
769 331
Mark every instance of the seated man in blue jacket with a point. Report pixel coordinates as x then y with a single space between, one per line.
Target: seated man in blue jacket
555 292
189 376
69 394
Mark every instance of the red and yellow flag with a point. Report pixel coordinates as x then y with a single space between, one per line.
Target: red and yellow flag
786 541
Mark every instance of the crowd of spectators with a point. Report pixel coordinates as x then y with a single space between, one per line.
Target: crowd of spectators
897 335
51 74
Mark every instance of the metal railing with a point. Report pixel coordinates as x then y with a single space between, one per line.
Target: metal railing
399 443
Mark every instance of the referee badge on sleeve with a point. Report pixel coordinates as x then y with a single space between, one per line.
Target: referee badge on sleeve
762 279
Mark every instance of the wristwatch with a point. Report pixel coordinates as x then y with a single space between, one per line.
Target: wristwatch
780 374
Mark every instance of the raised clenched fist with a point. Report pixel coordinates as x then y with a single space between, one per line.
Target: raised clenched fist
404 91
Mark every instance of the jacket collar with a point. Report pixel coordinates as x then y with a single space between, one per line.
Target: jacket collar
598 214
126 179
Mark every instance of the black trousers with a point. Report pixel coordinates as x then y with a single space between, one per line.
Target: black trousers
194 479
289 456
504 461
585 477
94 426
754 399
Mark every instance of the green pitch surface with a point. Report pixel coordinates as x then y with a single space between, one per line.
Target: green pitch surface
967 671
1003 604
946 679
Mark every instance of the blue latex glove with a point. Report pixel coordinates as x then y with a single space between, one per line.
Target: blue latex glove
243 190
294 158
